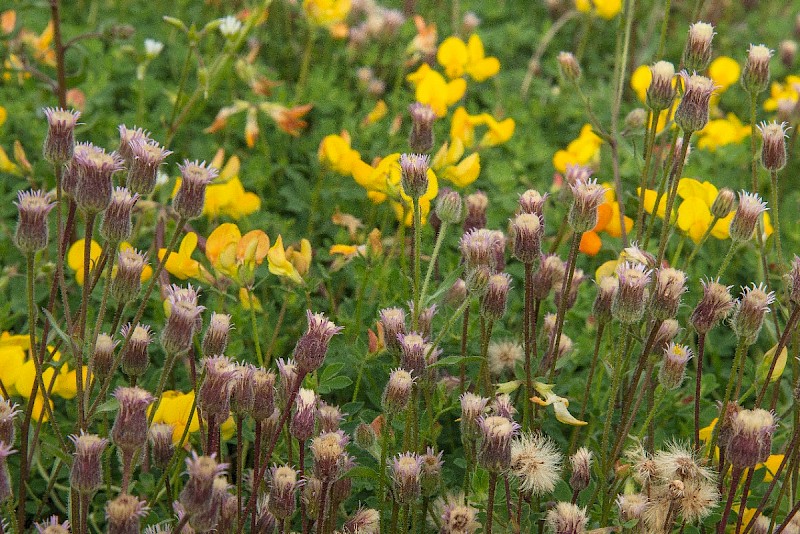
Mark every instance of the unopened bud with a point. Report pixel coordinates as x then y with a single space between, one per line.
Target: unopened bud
263 394
567 518
495 446
32 231
161 446
788 52
134 359
493 304
755 75
476 211
414 169
569 66
430 472
670 286
581 463
692 112
302 424
124 514
673 365
714 306
421 138
283 492
748 314
661 91
86 475
183 320
406 478
215 339
127 139
96 169
128 281
724 203
365 436
746 217
606 291
146 158
60 140
214 395
750 440
472 409
130 427
8 412
636 120
243 391
311 348
397 394
117 225
526 235
697 54
773 145
586 198
549 276
449 206
531 201
191 196
631 298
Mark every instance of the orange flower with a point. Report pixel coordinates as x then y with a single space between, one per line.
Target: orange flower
607 221
290 120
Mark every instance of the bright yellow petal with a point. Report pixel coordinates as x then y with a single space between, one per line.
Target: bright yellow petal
222 236
693 210
453 56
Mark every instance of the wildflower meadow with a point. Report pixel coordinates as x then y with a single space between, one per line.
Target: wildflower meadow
399 266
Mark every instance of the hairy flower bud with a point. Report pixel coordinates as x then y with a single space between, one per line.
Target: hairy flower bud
569 66
476 203
714 306
117 225
749 311
397 393
8 412
421 138
787 51
631 298
32 230
526 235
191 196
458 517
692 112
393 321
302 424
606 291
755 75
673 366
793 282
531 201
215 340
127 139
724 203
493 303
406 469
289 373
430 476
214 395
661 91
52 526
124 514
363 521
549 276
586 197
412 353
6 492
472 409
96 169
128 280
129 432
60 140
670 286
567 518
449 206
697 54
750 439
134 359
311 496
263 394
243 390
495 445
581 463
161 446
328 450
743 223
283 491
198 492
102 359
414 170
146 158
773 145
183 320
364 436
312 346
329 417
87 466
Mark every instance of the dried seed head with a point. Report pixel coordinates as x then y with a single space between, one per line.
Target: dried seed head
697 54
129 432
746 217
472 410
421 138
631 298
264 394
406 469
329 417
724 203
569 66
117 225
549 277
60 140
673 366
526 236
586 197
750 440
283 491
412 353
749 311
670 286
493 303
495 446
87 467
692 112
449 206
755 75
567 518
398 392
476 203
762 525
661 91
679 462
243 391
52 526
183 320
128 281
127 138
124 514
458 517
632 506
606 291
363 521
532 202
714 306
191 196
96 169
430 475
504 356
328 450
303 419
146 158
215 340
8 412
134 358
536 462
215 392
32 232
161 446
773 145
414 171
198 491
312 346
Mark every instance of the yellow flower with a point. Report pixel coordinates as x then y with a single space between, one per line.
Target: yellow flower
227 196
721 132
12 357
246 298
560 404
772 464
75 257
459 58
3 115
585 150
465 172
300 258
432 89
453 56
640 81
280 265
376 113
499 131
6 165
462 127
64 386
725 71
650 202
174 409
788 90
694 213
607 9
607 221
326 13
335 153
180 263
234 255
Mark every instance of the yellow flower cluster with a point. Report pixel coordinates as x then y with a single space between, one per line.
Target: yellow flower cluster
721 132
174 409
326 13
606 9
75 259
788 90
584 150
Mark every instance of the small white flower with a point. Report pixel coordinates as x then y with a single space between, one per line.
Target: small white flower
152 48
229 26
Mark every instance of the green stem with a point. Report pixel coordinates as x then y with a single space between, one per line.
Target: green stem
552 354
385 431
254 326
302 79
700 243
775 218
432 263
650 138
727 260
417 265
741 349
672 186
87 257
490 502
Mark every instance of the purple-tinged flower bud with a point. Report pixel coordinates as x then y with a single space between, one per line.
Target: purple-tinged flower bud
575 173
191 196
128 281
412 353
479 249
569 66
342 486
302 424
472 410
661 92
243 390
476 211
269 426
793 282
749 311
449 206
363 521
328 450
129 432
457 293
52 526
117 225
787 51
673 366
536 463
750 440
526 236
393 321
430 476
312 346
364 436
69 179
161 446
566 518
283 491
755 74
198 491
670 286
724 203
631 298
265 521
264 394
406 469
572 295
228 510
147 157
8 412
6 492
550 276
329 417
773 145
398 392
215 341
421 138
124 514
532 202
714 306
96 170
499 251
581 463
692 112
414 169
503 406
127 139
425 319
134 359
606 291
215 392
60 140
495 445
697 54
87 466
746 217
493 303
312 496
586 198
665 334
32 229
289 373
207 518
183 320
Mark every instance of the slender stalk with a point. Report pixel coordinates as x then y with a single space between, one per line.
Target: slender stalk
736 474
702 241
276 331
417 266
87 258
701 344
782 342
301 465
239 470
254 327
386 428
490 502
649 144
464 338
552 353
743 502
256 467
672 187
592 368
787 520
727 259
741 349
395 509
302 78
776 220
432 263
526 334
323 500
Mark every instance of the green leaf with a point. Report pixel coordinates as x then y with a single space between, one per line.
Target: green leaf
362 471
337 382
331 370
57 451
